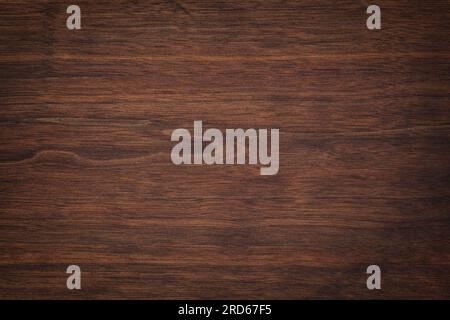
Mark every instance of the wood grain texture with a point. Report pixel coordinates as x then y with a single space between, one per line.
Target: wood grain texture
85 170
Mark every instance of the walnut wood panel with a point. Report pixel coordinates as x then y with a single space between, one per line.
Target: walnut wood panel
85 171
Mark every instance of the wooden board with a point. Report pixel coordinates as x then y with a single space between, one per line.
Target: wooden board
85 170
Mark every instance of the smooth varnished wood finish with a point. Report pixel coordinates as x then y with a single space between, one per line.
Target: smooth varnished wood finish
85 170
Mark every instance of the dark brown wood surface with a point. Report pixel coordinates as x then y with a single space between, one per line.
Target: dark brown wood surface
85 170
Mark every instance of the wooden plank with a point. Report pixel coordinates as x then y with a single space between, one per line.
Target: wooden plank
85 170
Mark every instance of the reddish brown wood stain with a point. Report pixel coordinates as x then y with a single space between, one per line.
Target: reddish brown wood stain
85 170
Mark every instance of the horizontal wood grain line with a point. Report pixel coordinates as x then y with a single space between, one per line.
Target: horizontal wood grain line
27 57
